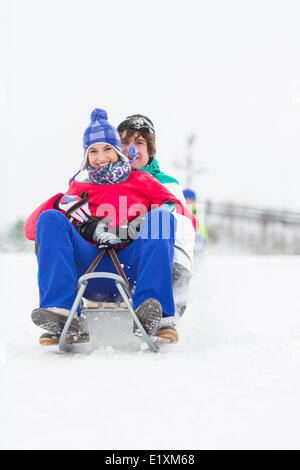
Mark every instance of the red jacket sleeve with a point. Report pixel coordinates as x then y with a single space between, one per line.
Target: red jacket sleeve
30 225
161 195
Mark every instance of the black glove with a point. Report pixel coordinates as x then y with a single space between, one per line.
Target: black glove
97 231
92 229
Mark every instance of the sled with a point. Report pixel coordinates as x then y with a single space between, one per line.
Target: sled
126 306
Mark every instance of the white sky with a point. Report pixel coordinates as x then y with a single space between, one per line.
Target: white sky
227 70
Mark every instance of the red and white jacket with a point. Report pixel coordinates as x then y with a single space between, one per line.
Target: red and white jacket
120 202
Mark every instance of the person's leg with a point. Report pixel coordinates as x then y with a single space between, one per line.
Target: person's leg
149 259
63 255
183 262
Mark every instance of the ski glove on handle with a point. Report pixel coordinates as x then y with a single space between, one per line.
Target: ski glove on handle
104 238
98 232
110 240
74 206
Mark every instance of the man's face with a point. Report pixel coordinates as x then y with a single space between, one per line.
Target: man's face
140 143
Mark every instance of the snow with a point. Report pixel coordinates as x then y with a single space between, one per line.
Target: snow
232 382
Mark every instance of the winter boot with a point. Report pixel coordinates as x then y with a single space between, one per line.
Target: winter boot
149 313
166 331
52 339
53 320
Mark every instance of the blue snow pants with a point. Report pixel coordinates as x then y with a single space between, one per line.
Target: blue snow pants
64 256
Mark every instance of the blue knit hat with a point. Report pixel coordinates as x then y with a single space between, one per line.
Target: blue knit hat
189 194
101 131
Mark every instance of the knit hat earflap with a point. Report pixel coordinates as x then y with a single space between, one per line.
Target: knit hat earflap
101 131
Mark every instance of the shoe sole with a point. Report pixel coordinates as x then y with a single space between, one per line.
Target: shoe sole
167 336
54 341
149 313
53 322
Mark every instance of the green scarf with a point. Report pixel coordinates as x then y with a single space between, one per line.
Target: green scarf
154 170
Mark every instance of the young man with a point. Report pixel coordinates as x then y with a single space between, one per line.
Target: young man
138 130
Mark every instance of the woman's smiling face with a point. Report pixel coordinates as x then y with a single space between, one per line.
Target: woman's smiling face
101 154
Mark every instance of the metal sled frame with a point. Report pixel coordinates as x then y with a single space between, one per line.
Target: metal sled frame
125 294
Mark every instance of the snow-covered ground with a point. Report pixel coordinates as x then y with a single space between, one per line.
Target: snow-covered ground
232 382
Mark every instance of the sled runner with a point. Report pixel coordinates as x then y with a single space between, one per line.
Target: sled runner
123 287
